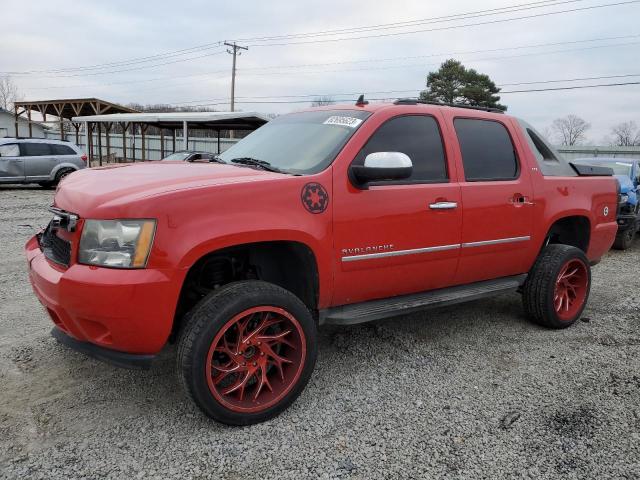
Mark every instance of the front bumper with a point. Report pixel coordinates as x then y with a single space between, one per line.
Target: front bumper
128 311
114 357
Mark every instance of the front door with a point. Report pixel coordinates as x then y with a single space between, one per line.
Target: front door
396 238
11 166
39 160
497 202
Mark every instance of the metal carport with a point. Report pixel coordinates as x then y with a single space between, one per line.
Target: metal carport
173 121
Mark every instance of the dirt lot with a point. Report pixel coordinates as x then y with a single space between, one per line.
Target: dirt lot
473 392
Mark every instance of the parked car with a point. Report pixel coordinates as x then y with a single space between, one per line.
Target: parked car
627 172
190 156
33 160
335 215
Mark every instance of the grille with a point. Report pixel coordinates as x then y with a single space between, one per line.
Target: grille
55 248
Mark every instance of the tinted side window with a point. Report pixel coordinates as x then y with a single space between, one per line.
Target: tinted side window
417 136
10 150
487 151
62 149
35 149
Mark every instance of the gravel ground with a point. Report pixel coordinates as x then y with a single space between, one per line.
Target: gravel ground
473 391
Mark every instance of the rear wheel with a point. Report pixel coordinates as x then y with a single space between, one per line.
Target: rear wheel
625 239
557 288
247 352
62 174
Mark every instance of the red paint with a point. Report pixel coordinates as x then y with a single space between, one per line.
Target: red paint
201 208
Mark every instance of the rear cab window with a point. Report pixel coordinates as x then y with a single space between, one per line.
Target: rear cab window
488 153
550 162
418 137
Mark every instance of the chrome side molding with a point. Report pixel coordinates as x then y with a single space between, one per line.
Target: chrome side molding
437 248
496 242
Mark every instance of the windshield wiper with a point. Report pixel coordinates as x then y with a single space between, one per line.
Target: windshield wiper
217 159
254 162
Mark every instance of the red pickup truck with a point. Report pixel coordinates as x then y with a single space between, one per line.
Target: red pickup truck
338 215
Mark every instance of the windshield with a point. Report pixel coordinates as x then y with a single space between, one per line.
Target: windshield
619 168
177 156
299 143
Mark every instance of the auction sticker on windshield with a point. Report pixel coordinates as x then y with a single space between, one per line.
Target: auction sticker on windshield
350 122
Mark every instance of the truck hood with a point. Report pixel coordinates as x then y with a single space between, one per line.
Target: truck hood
90 188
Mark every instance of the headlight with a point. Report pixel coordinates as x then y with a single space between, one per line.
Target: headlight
116 243
624 198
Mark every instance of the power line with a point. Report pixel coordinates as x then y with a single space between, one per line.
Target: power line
141 67
422 65
538 4
579 79
412 57
410 23
270 102
370 60
573 87
132 61
450 27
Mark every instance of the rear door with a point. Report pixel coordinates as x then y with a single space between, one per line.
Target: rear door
11 166
497 218
65 154
38 159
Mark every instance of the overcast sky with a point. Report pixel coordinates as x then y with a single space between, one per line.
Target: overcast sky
45 35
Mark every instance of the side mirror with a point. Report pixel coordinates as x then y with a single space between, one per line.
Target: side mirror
382 166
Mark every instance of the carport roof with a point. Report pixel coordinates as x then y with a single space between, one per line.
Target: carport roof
70 107
175 120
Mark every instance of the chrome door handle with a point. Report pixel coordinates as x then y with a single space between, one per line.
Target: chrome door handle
443 205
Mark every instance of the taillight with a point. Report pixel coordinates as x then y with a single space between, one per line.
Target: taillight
84 158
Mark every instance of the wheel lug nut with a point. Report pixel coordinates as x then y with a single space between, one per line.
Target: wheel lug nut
244 364
259 343
255 364
261 354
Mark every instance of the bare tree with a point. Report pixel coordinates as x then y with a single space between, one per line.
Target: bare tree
626 134
322 101
9 93
570 130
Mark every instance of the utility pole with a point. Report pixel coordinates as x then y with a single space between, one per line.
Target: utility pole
234 50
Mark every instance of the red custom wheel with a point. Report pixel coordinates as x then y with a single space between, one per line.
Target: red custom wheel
255 359
572 285
247 352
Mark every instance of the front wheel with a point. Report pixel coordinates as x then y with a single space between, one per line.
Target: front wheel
557 288
247 352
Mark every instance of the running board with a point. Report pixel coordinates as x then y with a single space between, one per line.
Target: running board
391 307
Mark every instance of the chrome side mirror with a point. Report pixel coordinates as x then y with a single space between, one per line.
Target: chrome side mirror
382 166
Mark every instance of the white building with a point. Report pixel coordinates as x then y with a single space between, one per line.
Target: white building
8 126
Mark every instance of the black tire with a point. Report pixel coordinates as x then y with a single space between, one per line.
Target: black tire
206 322
61 174
539 292
624 240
